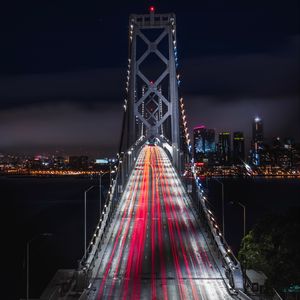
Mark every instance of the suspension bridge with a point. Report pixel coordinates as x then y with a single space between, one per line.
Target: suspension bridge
156 238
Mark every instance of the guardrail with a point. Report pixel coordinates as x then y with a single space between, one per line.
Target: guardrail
86 268
87 264
233 270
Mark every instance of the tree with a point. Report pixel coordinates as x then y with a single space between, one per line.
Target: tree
273 246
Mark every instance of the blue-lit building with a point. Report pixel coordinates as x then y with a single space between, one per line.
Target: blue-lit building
204 145
224 148
257 141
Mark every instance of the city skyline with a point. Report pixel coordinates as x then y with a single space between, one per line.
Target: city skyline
56 91
94 151
78 78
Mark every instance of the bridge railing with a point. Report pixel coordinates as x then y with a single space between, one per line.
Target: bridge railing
87 263
126 162
233 270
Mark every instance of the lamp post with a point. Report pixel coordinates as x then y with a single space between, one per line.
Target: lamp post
100 184
128 161
100 188
110 173
223 213
85 192
244 209
27 259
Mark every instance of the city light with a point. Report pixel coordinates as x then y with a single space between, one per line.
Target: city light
154 230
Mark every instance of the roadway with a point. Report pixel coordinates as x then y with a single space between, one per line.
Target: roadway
155 248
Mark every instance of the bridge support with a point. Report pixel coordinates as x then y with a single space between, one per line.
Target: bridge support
152 106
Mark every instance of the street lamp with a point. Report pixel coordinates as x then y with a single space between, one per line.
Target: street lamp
85 192
27 258
100 188
244 209
100 184
129 161
223 214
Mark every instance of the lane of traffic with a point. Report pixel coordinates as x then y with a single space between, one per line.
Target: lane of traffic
156 247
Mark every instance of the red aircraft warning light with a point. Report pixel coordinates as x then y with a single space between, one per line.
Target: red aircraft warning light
151 9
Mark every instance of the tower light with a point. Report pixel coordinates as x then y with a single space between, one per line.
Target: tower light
152 9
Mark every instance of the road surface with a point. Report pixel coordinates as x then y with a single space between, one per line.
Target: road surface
155 248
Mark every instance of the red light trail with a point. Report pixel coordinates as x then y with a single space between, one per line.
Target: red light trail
155 248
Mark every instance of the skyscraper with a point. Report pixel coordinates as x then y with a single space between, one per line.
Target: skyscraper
257 141
257 131
224 148
199 144
204 144
238 147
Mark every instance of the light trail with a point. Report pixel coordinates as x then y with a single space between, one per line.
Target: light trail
153 227
173 215
174 248
127 203
155 248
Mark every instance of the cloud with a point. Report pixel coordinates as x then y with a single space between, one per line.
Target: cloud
84 108
231 76
269 75
66 124
84 86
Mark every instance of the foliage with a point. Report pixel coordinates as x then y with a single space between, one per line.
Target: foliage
273 246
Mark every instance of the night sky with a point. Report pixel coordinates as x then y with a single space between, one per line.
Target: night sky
63 69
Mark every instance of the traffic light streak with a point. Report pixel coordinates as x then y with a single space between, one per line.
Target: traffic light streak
175 228
156 249
133 192
137 242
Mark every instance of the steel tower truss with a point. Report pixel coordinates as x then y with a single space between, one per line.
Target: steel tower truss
152 102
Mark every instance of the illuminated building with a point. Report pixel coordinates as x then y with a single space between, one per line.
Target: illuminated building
78 162
292 150
296 156
224 148
257 141
204 144
257 131
283 154
277 143
238 147
289 143
59 162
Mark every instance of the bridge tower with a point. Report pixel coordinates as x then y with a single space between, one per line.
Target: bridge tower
152 102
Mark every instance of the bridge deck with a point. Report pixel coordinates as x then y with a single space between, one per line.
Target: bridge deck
155 248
